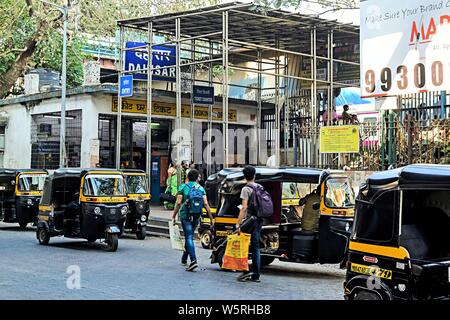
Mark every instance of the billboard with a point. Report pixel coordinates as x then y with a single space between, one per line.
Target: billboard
405 46
162 56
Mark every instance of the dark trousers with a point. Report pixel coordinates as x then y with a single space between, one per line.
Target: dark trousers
254 249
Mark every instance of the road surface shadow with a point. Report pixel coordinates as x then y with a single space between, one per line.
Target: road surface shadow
79 245
15 228
130 236
290 271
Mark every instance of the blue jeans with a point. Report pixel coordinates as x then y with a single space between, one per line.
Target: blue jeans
189 230
254 249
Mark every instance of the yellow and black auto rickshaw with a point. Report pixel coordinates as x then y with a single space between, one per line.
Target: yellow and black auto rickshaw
291 195
20 193
83 203
400 244
138 195
287 236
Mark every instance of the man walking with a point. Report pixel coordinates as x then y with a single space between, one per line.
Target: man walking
191 198
248 211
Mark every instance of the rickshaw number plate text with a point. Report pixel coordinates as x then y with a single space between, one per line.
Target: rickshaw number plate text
222 233
371 271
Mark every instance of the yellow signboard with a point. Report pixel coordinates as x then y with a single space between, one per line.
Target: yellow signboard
168 109
339 139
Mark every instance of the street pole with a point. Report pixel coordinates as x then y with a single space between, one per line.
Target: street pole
62 147
62 131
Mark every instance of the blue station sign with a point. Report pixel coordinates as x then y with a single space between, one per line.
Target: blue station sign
162 56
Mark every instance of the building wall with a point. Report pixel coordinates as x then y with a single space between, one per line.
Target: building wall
18 130
17 137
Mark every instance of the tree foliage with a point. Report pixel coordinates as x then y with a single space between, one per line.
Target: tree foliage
333 4
31 32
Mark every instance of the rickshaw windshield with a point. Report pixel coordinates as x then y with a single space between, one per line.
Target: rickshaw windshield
339 194
104 185
136 184
31 182
290 190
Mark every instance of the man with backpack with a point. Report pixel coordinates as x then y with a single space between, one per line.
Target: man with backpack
256 204
191 198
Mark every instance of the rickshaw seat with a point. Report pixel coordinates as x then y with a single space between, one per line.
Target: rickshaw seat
414 241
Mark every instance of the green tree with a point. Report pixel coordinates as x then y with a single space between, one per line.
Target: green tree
31 37
329 4
31 32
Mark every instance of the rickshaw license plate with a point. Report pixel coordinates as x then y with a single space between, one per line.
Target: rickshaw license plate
222 233
371 271
274 245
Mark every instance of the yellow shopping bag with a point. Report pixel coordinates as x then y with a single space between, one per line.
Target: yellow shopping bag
236 252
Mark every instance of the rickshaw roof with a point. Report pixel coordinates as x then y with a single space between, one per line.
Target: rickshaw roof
8 172
280 174
414 176
79 172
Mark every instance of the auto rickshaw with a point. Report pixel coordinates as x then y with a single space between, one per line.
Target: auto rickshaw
138 202
20 193
282 237
400 244
290 199
83 203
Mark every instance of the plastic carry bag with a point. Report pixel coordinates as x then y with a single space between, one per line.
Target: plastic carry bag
176 240
236 252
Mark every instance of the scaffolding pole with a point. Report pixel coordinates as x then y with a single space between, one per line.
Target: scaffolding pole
313 152
277 106
210 110
119 102
225 86
191 116
259 113
178 96
148 164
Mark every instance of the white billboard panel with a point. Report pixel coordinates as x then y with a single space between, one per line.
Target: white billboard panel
405 46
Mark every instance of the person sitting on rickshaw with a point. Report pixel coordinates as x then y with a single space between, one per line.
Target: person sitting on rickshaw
310 216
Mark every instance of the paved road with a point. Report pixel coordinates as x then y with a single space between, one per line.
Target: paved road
146 269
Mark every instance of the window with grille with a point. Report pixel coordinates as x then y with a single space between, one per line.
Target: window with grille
45 139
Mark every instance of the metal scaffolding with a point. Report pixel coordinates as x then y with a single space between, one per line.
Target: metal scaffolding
230 34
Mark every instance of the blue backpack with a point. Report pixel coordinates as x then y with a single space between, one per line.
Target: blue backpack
194 201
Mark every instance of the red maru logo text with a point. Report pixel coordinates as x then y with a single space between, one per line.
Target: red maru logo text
423 31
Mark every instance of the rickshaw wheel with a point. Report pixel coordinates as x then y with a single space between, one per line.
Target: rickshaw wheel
141 233
206 240
112 242
42 236
366 295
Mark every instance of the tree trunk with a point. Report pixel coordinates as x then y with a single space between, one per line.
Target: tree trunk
20 65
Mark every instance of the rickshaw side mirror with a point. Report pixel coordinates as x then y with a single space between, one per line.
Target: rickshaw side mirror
316 206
